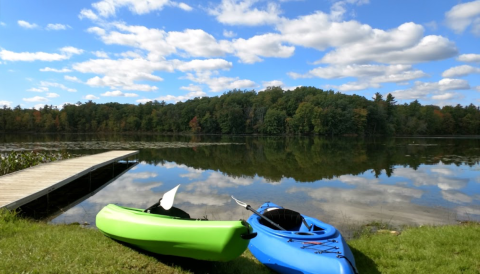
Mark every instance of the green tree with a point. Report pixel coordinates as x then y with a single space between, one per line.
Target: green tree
303 118
275 122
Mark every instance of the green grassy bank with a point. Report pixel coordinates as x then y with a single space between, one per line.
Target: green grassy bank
425 249
34 247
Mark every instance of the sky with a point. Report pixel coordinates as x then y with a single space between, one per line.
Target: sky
133 51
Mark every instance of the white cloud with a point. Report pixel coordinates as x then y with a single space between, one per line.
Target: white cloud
183 6
71 50
100 54
476 26
3 25
38 106
475 58
152 40
197 43
453 84
274 83
477 88
375 73
396 47
432 25
460 71
144 101
319 32
130 54
87 13
118 93
445 96
35 99
199 65
72 79
56 27
52 95
7 55
56 85
422 90
356 43
370 76
114 93
217 84
97 30
5 103
91 97
353 86
67 52
238 12
190 95
107 8
193 43
47 69
267 45
40 89
463 15
193 88
25 24
338 9
229 34
108 81
123 73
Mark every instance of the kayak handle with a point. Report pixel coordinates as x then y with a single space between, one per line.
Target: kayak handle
249 236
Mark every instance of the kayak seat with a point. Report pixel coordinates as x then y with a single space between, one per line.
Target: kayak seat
174 212
286 218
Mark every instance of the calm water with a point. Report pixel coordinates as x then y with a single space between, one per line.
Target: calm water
344 181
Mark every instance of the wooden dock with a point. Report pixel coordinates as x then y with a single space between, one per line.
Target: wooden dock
21 187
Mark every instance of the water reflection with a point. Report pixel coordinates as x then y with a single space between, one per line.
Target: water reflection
340 180
432 194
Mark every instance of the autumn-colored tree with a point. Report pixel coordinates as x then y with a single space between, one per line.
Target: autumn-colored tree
194 125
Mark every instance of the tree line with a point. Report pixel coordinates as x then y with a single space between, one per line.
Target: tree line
318 158
304 110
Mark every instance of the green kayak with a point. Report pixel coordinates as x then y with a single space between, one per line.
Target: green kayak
175 233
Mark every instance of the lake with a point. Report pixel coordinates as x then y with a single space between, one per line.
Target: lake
345 181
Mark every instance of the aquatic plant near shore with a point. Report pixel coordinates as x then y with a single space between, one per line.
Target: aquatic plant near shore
14 161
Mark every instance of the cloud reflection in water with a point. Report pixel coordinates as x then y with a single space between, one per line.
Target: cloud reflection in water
402 198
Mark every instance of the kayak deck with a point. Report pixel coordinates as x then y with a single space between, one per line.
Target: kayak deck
170 235
307 246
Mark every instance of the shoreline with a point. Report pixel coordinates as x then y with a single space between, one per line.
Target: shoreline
32 246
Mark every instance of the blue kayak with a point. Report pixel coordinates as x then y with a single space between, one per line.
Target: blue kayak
306 246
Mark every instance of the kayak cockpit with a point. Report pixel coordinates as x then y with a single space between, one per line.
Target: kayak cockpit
294 223
172 212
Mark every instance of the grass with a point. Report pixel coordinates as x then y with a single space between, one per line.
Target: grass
34 247
425 249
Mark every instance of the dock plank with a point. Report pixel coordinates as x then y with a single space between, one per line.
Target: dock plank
21 187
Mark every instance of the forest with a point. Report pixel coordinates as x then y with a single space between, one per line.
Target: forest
304 110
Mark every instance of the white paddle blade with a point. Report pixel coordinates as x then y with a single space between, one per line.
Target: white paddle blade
240 202
168 197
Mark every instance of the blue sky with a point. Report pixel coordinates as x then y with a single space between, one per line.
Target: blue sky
133 51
